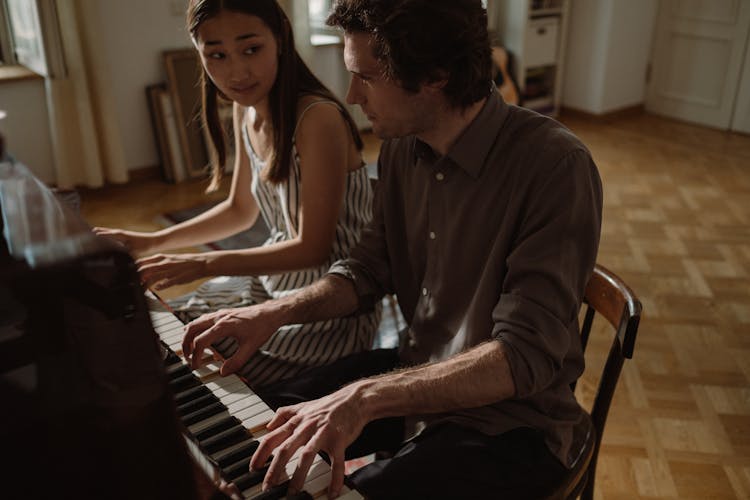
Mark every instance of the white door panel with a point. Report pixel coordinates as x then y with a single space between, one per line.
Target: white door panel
741 117
698 52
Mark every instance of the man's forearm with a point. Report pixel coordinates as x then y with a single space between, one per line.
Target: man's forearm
473 378
330 297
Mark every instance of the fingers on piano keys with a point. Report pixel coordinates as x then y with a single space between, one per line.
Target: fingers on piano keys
227 420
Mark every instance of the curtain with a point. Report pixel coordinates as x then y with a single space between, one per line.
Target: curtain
85 137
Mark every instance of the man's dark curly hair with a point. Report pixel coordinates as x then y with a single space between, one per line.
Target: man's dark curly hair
422 41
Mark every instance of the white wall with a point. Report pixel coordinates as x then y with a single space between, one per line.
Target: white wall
25 128
132 35
608 49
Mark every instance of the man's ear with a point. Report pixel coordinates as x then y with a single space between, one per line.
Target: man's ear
438 84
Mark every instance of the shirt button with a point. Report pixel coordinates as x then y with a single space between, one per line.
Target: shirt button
412 339
439 176
424 292
432 235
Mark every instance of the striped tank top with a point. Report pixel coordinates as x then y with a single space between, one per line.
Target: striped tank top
293 348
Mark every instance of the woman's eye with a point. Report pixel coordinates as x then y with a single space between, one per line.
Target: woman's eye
251 50
216 55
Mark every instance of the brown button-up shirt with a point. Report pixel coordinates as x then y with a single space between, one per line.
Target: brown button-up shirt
495 240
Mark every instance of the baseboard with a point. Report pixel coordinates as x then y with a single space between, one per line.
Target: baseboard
144 173
626 112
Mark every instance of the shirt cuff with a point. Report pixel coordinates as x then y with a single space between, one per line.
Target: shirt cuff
367 294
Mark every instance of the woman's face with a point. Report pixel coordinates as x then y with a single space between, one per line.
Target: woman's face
240 54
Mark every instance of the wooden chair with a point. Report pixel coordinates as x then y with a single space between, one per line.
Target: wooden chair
609 296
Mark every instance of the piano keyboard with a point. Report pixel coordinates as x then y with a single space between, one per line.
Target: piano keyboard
226 421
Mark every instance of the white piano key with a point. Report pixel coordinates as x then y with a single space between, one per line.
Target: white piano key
176 346
243 403
318 485
163 320
258 421
252 411
349 494
208 370
241 392
317 470
224 385
169 336
318 478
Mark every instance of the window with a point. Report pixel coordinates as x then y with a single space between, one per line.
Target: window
6 48
25 34
21 40
320 33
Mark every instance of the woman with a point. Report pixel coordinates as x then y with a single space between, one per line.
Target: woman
287 127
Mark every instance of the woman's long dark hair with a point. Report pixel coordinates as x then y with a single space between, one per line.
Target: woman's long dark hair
293 80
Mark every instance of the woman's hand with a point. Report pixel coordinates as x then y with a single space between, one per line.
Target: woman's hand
135 242
251 326
164 270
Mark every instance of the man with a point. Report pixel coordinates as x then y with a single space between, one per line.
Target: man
485 225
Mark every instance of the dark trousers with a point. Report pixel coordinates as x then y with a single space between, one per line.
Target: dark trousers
445 461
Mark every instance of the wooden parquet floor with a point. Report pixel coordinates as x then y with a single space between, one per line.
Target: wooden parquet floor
677 230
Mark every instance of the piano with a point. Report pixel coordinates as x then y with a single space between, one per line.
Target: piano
97 400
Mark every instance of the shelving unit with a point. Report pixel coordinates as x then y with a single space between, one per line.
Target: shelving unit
534 32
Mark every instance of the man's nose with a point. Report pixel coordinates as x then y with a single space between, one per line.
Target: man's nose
353 95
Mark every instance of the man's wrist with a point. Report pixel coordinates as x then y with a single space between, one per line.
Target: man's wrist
370 399
277 313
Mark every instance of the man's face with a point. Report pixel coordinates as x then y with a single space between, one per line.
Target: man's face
393 111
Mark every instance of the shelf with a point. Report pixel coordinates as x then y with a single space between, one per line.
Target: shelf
554 11
540 103
537 5
534 32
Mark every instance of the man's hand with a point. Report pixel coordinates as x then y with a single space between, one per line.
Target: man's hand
251 326
164 270
328 424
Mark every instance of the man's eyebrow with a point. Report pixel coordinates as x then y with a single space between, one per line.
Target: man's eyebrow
365 73
237 38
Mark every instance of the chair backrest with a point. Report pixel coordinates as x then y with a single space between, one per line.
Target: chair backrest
609 297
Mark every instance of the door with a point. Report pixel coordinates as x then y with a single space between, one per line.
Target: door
698 52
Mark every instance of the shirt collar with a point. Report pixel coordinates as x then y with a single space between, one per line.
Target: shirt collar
473 145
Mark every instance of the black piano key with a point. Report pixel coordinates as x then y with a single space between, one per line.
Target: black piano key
274 493
280 491
203 414
241 452
250 478
220 426
196 404
185 382
224 440
171 358
300 495
235 470
176 371
183 397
